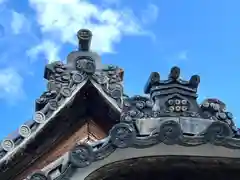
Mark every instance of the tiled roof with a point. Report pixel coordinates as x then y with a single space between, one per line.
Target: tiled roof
169 116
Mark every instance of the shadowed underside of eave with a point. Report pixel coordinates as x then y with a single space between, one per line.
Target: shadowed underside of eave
169 168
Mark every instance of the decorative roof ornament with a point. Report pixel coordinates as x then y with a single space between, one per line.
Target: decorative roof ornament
83 69
84 39
172 112
38 175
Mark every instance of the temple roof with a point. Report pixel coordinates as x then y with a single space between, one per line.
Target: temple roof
168 114
169 123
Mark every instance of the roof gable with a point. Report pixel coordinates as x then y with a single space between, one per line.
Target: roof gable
81 79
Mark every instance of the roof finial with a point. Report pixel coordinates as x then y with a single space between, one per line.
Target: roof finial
84 39
175 73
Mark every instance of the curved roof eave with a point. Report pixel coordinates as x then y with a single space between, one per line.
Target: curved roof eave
118 147
33 134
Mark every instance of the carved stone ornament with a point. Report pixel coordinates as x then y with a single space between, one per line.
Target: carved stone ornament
86 64
25 131
8 145
81 155
78 77
110 79
39 117
170 132
38 176
218 132
122 135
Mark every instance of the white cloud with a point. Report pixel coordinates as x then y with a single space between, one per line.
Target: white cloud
48 48
19 23
61 19
150 14
10 85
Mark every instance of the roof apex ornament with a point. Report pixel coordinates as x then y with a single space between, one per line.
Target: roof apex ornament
174 81
174 96
84 39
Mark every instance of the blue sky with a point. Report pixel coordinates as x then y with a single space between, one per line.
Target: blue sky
200 36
